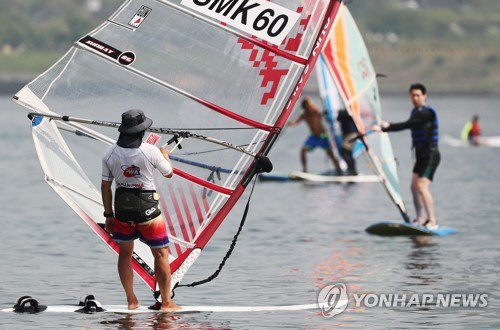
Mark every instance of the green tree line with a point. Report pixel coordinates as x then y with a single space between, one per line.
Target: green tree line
48 25
52 25
463 22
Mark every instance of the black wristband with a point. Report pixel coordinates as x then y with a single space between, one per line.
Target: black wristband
108 215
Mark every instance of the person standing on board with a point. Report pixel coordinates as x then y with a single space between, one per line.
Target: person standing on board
472 131
318 138
136 212
423 124
349 133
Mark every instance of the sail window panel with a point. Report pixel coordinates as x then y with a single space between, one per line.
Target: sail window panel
41 84
205 61
58 163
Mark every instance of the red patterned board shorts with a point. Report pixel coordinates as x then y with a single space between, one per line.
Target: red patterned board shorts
153 233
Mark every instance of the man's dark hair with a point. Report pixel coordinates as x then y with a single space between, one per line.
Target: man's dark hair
419 86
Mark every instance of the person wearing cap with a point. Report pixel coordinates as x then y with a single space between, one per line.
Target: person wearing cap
318 138
130 163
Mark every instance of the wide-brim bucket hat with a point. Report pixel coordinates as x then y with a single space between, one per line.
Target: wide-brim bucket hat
134 121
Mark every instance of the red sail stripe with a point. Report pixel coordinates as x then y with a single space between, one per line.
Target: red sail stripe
205 203
180 219
196 204
170 223
186 210
232 115
202 182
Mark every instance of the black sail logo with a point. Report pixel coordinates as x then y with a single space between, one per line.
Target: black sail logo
124 58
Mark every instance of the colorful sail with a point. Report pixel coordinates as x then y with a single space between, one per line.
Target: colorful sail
346 57
229 70
332 104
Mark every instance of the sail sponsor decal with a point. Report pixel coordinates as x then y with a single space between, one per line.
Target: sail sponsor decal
124 58
260 18
140 16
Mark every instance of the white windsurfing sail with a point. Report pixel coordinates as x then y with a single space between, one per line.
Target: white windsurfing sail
346 57
230 70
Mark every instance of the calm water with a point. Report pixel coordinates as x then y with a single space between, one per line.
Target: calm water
298 238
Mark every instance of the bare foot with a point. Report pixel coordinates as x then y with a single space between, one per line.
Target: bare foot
419 222
133 304
170 307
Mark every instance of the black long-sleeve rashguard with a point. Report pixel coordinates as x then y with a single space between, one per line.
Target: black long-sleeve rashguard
420 118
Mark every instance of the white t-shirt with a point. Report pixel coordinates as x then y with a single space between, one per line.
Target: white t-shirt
133 167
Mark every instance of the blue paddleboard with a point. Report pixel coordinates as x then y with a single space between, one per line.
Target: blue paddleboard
388 228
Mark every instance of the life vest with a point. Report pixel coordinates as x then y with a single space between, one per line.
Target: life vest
347 124
136 205
475 130
425 135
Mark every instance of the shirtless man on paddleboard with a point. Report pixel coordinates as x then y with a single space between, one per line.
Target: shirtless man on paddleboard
318 138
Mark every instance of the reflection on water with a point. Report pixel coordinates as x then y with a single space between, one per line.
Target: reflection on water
338 266
422 261
156 321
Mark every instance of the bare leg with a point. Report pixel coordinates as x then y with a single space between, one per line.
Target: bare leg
303 159
428 202
417 199
162 273
334 160
126 273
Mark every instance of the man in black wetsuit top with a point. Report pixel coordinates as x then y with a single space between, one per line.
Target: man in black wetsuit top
423 124
349 132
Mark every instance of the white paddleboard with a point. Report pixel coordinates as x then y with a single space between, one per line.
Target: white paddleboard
334 178
492 141
122 309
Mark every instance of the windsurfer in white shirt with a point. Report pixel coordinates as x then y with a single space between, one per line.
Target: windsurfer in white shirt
136 212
